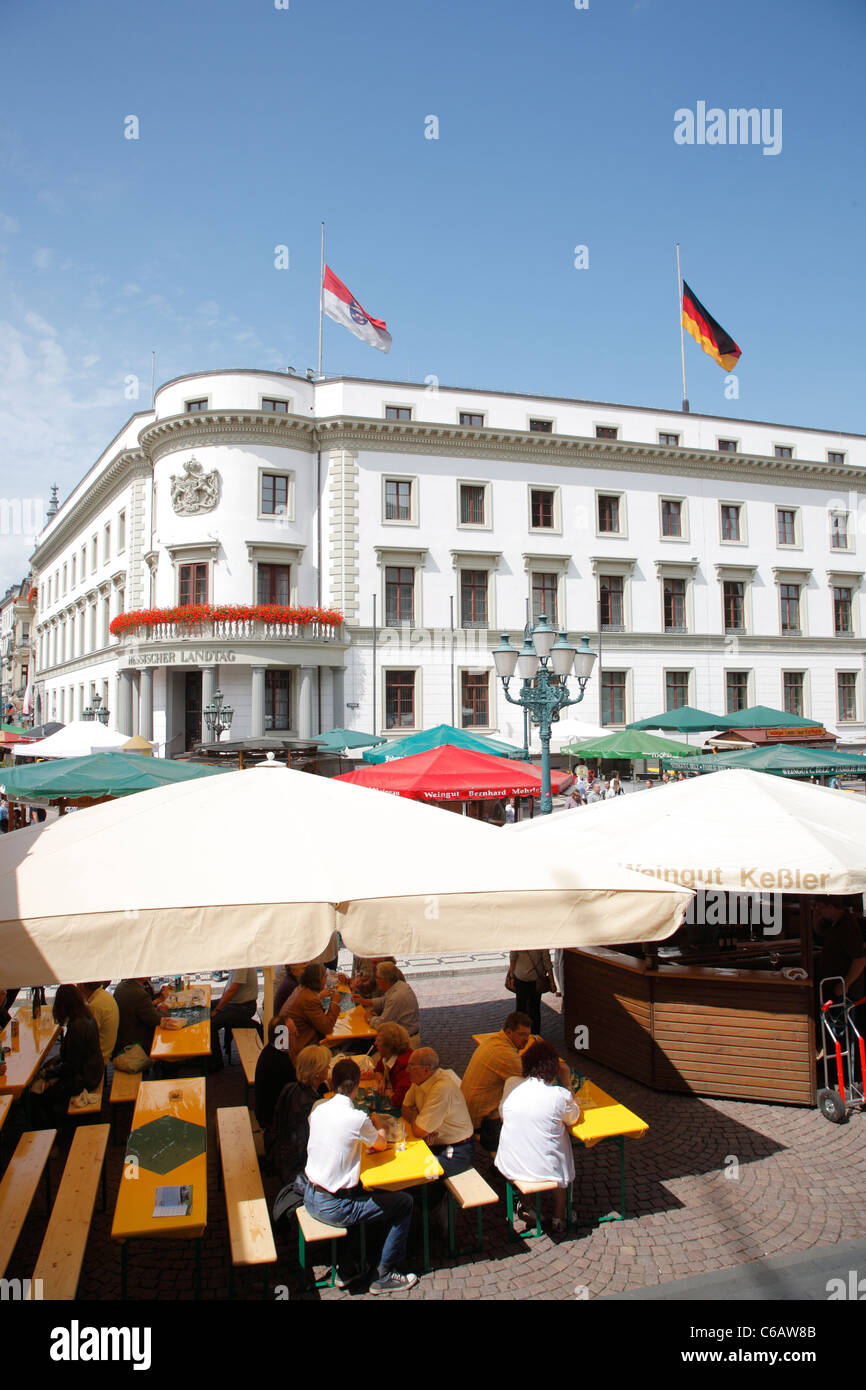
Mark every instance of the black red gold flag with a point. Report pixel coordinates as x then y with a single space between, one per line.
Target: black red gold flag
708 334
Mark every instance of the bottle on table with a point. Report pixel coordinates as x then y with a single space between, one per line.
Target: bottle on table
36 1001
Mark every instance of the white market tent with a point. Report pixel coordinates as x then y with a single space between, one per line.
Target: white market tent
74 740
562 732
260 866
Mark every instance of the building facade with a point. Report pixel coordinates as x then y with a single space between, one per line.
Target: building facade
348 552
17 608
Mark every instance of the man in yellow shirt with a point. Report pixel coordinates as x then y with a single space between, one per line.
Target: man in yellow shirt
106 1014
494 1060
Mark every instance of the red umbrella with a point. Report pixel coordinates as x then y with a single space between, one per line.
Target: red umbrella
454 774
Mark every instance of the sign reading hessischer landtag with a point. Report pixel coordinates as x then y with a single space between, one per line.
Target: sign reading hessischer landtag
186 656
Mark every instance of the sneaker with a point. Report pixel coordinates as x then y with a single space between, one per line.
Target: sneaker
347 1276
392 1282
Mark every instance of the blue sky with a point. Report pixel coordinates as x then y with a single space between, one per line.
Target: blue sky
555 130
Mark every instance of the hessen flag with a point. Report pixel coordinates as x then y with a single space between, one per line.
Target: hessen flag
708 334
342 306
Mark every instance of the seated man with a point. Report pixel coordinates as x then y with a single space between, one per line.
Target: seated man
234 1009
139 1012
436 1112
398 1002
494 1060
274 1069
334 1194
106 1013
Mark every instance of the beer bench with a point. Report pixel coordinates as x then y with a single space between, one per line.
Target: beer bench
19 1185
62 1254
250 1234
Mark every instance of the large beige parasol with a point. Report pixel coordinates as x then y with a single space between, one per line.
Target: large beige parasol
262 865
740 831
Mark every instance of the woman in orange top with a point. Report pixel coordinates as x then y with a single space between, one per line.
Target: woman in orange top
304 1008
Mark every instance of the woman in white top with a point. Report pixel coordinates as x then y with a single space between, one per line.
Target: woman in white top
535 1145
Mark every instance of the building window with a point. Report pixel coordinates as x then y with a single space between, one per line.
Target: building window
272 584
676 689
275 494
64 579
727 446
838 530
398 499
276 407
792 688
783 451
611 594
541 426
106 543
670 440
473 598
606 431
399 699
398 412
833 456
843 610
474 700
608 514
733 601
192 586
468 418
121 538
790 600
846 695
544 596
731 522
194 407
672 518
472 504
675 605
613 697
541 504
786 526
736 691
399 595
278 702
83 561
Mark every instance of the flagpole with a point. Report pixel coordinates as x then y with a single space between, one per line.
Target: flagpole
321 297
682 335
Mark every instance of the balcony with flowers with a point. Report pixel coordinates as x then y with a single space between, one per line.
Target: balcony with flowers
262 622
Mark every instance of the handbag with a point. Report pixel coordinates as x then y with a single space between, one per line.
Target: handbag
132 1058
509 982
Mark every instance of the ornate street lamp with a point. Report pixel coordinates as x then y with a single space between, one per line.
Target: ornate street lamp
218 716
95 711
543 666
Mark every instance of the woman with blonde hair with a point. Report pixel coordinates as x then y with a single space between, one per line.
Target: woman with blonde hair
291 1125
392 1074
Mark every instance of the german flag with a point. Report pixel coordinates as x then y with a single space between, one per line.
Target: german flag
708 334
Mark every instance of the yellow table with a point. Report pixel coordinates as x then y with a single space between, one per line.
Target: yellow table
415 1166
180 1044
603 1118
358 1028
35 1041
133 1214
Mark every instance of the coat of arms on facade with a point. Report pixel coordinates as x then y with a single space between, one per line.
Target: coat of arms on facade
195 491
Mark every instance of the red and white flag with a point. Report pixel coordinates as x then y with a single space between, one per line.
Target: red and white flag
342 306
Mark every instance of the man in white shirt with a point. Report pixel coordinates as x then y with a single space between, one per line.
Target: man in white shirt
234 1009
436 1109
338 1133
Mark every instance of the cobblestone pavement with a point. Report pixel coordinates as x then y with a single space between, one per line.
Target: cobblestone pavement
713 1184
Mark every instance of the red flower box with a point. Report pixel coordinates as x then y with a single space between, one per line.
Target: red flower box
194 614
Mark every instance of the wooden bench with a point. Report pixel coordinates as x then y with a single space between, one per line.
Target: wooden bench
468 1191
250 1234
311 1230
59 1264
530 1189
249 1045
73 1111
20 1182
124 1091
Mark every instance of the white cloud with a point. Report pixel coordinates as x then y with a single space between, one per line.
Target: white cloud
43 257
9 224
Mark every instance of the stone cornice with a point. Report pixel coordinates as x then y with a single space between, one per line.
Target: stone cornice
226 427
123 468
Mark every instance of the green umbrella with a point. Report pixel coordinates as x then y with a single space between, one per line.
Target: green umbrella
762 717
97 774
426 739
336 739
782 759
685 720
630 743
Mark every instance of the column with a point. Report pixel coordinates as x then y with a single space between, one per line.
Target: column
305 702
124 703
326 699
145 702
136 703
257 725
338 702
208 686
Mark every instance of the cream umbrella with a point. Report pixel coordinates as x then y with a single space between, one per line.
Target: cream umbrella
741 831
262 865
74 740
561 732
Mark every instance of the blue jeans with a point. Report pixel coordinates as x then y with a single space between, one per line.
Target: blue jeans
354 1204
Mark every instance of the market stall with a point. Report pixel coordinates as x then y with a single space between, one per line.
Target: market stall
727 1006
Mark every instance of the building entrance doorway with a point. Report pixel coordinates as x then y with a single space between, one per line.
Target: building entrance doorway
191 709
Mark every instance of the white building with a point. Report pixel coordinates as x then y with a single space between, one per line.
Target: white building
722 558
